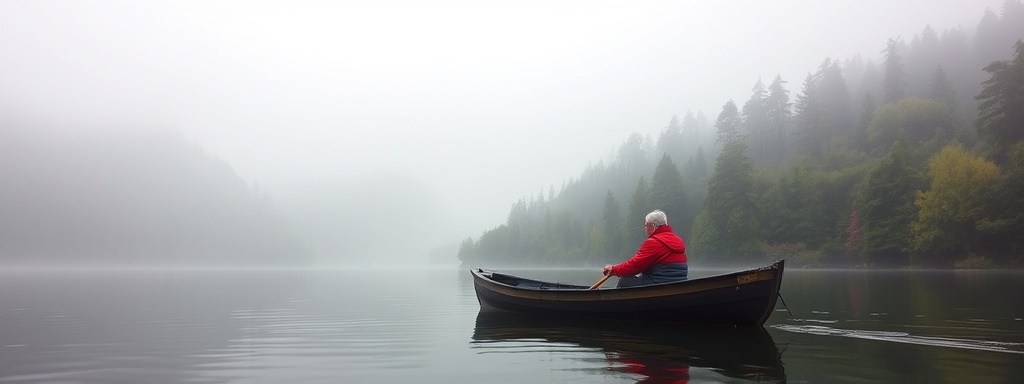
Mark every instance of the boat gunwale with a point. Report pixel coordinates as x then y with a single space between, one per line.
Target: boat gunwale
708 283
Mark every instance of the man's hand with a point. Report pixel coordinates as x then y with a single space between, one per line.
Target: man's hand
607 270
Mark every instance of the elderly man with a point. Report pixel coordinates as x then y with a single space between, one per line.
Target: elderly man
660 259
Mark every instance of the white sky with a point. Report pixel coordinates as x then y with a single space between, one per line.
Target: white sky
482 101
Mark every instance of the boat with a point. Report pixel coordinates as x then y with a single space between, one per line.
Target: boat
738 298
658 352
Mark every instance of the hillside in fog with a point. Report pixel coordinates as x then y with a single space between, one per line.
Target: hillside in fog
131 198
913 159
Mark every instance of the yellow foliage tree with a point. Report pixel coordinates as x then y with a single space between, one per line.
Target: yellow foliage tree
950 210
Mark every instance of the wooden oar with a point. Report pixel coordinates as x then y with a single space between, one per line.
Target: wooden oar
599 282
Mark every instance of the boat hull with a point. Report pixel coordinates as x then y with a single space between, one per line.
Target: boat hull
739 298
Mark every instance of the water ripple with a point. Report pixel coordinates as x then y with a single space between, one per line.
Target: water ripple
904 337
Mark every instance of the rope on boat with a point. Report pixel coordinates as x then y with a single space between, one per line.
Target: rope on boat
786 306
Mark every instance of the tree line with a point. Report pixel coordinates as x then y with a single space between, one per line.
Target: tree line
916 162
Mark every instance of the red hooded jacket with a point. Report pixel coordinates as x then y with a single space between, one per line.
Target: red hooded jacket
661 247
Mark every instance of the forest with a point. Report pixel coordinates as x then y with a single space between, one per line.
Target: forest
916 161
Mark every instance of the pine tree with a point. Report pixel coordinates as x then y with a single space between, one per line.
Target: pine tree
668 195
1001 103
727 226
639 206
755 122
612 228
942 90
671 140
811 117
895 79
728 123
777 106
860 136
888 208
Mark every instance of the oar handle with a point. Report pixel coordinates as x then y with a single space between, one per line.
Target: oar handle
599 282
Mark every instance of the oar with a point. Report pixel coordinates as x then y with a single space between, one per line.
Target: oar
599 282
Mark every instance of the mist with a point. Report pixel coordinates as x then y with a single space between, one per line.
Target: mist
381 130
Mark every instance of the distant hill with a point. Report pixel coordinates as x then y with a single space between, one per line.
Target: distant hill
131 198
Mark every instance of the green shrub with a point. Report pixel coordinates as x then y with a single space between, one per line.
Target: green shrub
974 262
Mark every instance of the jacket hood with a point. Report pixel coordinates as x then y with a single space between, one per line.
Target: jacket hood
665 234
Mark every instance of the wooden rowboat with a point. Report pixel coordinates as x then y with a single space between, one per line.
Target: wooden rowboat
737 298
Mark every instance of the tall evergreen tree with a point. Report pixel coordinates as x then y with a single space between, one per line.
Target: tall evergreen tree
696 168
755 122
1001 103
941 89
894 82
727 226
811 118
695 173
632 155
872 82
961 69
700 164
671 140
668 194
611 227
821 111
1011 21
691 129
835 97
921 59
777 106
887 199
639 206
860 136
728 123
1002 229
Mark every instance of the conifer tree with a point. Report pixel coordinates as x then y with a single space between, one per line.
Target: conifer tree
755 122
1001 103
668 194
778 106
811 118
611 227
728 123
894 82
888 208
639 206
942 90
727 226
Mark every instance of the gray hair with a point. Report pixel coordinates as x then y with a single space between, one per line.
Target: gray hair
656 217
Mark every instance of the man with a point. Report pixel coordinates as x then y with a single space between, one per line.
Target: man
660 259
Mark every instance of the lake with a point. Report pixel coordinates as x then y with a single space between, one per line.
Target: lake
374 325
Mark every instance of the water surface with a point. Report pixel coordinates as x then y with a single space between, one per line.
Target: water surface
423 326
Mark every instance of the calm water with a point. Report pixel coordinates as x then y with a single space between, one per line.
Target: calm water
423 326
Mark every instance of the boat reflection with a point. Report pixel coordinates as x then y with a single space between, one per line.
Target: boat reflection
657 353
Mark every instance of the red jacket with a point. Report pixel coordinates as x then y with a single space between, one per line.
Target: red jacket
661 247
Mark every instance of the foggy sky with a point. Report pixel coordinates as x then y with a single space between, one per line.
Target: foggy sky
479 103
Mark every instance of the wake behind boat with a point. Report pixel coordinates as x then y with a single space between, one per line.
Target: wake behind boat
738 298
